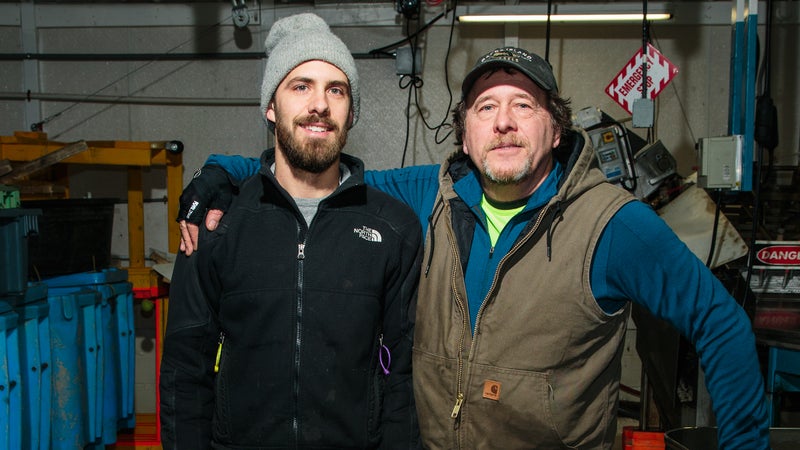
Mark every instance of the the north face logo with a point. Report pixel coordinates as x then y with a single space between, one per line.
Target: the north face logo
368 234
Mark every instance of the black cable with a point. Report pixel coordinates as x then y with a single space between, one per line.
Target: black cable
414 82
644 50
714 230
408 126
547 32
444 123
756 221
413 79
407 39
677 97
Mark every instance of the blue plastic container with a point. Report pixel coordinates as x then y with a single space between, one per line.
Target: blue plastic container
73 340
10 394
116 362
34 343
16 225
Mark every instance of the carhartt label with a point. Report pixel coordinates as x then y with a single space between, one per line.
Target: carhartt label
491 390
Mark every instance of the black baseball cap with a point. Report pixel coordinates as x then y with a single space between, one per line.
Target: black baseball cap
530 64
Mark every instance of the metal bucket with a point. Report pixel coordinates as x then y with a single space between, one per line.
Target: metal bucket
705 438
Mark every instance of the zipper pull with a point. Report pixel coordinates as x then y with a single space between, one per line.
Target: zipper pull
219 352
301 251
457 408
384 350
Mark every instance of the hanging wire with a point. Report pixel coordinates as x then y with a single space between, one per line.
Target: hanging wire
39 125
547 32
645 39
414 83
677 96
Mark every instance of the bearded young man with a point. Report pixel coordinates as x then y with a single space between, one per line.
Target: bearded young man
271 342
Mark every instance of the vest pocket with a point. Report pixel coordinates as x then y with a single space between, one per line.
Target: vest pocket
435 394
510 409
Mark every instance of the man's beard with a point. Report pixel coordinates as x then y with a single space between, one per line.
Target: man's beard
312 155
507 177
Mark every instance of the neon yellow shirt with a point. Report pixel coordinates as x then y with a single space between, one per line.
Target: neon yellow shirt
497 217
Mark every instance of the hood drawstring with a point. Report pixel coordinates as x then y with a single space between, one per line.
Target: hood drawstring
558 213
439 206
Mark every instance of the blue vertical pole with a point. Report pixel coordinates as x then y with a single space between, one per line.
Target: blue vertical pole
737 69
751 67
741 112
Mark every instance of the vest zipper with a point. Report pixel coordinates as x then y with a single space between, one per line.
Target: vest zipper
455 414
511 251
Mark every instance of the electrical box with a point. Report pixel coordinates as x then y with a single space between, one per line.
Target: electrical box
643 113
720 162
611 152
654 164
403 61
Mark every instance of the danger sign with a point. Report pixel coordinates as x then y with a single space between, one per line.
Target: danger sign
627 85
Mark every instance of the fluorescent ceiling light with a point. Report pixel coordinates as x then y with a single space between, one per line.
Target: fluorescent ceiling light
528 18
561 12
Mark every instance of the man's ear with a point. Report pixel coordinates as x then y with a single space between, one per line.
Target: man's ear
556 137
350 118
271 111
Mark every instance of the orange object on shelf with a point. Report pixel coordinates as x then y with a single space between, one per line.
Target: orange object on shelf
633 439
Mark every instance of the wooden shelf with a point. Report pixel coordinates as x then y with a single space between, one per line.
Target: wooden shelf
135 155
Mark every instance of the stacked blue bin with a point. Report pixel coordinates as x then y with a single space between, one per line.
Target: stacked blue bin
74 333
33 332
10 394
115 334
24 336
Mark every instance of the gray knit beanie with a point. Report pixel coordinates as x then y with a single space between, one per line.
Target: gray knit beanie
296 39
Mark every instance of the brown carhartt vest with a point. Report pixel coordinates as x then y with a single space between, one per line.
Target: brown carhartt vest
542 369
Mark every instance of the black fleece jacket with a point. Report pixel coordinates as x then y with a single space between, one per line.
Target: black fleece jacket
294 317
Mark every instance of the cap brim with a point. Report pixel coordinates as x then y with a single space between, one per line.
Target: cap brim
481 69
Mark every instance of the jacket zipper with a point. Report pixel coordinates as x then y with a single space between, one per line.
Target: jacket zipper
301 255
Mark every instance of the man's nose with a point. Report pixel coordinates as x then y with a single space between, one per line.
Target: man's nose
319 104
505 121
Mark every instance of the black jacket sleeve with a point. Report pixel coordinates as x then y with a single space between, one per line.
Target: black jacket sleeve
400 427
187 367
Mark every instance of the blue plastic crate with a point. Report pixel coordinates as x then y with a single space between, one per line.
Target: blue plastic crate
73 337
33 330
10 395
74 236
35 292
16 225
117 357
